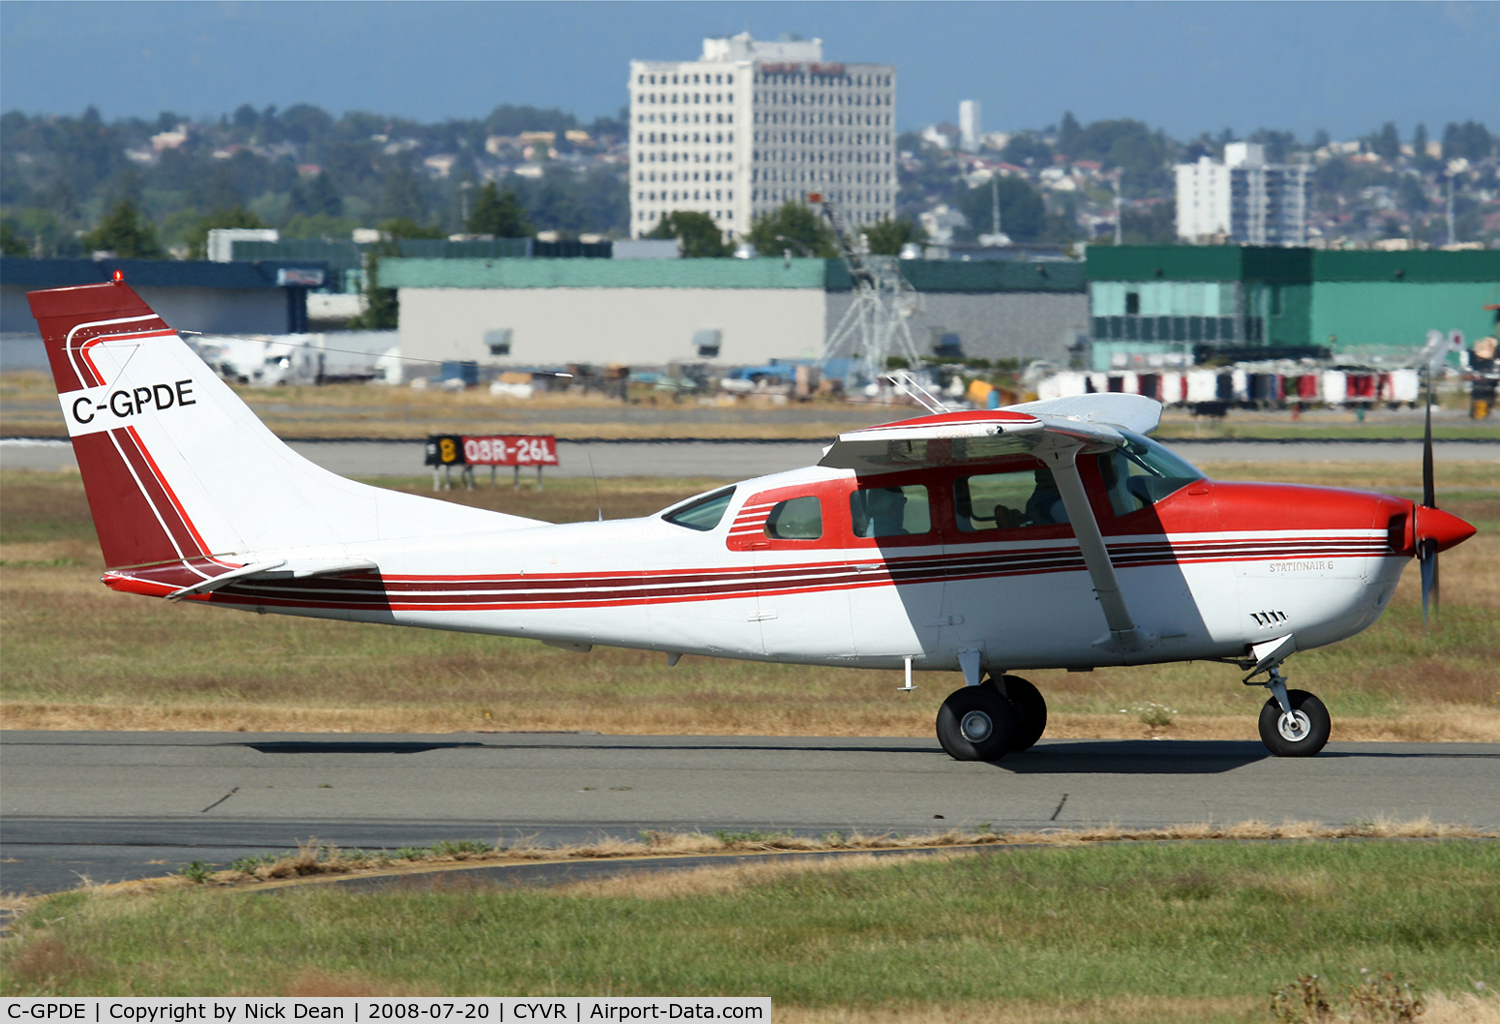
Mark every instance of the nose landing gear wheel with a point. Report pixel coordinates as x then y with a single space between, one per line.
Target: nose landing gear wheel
1031 712
1302 733
977 723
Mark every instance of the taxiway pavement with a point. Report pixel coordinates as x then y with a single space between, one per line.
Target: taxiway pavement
115 805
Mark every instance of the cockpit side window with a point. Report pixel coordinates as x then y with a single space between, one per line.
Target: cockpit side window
890 511
1004 501
796 519
703 514
1142 472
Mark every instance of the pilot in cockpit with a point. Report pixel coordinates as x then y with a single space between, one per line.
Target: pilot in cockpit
1045 506
886 507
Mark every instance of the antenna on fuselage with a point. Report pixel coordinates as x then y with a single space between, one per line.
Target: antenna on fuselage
907 383
597 503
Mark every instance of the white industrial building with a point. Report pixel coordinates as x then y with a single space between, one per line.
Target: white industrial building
517 313
1244 199
969 128
750 125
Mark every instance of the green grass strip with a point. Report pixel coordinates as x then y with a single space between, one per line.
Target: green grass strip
1194 921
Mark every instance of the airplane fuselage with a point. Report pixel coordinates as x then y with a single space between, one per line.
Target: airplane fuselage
1210 569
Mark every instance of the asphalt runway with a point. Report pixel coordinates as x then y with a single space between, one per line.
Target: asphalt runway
741 460
116 805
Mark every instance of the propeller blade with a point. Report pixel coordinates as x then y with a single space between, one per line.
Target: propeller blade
1427 557
1429 488
1437 589
1428 549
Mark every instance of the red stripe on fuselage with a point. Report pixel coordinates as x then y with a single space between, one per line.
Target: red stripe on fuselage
581 590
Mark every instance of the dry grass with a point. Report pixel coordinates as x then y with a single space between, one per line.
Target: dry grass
1440 1009
48 963
1081 1010
232 672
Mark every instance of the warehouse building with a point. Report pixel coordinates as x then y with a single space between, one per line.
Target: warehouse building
539 313
988 309
1171 305
265 297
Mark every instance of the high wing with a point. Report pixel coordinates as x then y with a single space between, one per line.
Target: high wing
1086 424
1056 431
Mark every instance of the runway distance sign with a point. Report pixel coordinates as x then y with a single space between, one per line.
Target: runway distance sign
510 450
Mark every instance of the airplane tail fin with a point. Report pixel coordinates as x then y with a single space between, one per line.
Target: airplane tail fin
178 468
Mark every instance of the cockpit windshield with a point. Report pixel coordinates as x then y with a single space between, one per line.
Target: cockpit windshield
1141 472
703 514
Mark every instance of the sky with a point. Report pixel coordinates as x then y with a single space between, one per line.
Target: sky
1187 67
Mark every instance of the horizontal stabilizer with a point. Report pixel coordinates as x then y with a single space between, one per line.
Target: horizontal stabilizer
277 569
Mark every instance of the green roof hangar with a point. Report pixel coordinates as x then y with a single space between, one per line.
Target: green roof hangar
733 312
1165 305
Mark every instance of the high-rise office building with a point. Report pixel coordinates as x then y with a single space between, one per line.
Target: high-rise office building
1244 199
750 125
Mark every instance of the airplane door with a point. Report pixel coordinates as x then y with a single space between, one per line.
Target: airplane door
896 550
1014 582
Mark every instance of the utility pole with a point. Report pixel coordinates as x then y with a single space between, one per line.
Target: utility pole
463 201
1450 208
995 205
1118 226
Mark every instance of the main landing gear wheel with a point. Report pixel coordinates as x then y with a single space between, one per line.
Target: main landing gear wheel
1300 734
1031 712
977 723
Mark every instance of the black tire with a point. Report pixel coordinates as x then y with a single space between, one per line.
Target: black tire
1031 712
1311 715
976 723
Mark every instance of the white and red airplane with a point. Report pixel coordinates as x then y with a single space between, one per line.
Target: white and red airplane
1047 535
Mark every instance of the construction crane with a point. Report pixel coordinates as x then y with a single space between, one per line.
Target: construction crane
874 327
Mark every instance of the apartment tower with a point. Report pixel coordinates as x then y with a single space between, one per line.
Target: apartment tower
1244 199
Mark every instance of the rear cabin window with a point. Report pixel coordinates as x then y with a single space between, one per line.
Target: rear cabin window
1141 472
1004 501
796 519
890 511
703 514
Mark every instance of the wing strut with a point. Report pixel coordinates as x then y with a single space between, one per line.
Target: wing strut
1124 634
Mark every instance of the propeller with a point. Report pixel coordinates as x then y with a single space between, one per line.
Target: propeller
1427 547
1433 530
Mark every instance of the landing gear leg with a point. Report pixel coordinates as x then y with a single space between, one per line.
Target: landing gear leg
1293 723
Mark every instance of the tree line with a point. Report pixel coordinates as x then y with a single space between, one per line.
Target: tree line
63 180
141 187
